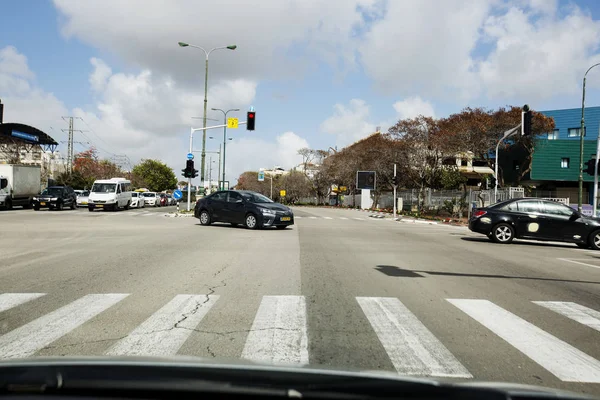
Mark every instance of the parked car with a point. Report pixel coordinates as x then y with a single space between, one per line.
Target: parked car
82 197
55 197
164 201
151 198
171 200
532 218
137 200
243 207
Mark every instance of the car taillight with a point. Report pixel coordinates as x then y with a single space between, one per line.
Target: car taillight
479 213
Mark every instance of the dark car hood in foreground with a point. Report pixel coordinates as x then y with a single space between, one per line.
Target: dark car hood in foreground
56 375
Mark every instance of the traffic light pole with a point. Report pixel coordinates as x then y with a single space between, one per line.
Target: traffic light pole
506 135
395 186
595 200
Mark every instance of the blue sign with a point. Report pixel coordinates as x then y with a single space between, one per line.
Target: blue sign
190 156
26 136
177 195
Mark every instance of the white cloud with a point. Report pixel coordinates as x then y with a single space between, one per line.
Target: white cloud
24 102
349 123
413 107
100 75
264 154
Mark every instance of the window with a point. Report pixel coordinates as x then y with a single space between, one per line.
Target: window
234 197
529 206
220 196
575 132
564 162
554 135
557 209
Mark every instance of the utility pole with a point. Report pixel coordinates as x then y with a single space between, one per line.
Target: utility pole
70 143
395 186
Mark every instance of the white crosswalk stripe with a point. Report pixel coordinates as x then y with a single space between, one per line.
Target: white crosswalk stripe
411 347
560 358
327 218
166 330
34 336
278 334
574 311
343 218
10 300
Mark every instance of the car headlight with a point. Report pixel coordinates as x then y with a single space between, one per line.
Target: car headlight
54 199
35 198
266 211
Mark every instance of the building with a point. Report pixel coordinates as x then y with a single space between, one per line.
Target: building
555 163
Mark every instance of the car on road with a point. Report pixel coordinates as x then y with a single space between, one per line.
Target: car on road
243 207
164 201
82 198
110 194
137 200
531 218
151 198
55 198
171 200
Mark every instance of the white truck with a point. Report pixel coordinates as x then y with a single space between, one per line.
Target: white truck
19 184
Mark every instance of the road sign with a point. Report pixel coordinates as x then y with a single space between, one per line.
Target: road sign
261 176
282 193
177 195
365 180
232 123
190 156
342 189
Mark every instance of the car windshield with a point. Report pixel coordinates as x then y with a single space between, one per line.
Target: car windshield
256 197
149 194
104 188
134 194
52 191
85 193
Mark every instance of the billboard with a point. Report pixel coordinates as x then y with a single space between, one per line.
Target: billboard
366 180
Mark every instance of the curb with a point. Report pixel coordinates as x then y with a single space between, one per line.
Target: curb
179 215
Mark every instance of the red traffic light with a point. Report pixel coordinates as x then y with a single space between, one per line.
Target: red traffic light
251 121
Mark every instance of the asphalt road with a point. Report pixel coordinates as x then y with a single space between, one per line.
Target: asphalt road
338 289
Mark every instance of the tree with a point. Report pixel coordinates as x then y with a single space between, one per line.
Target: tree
155 175
249 181
296 185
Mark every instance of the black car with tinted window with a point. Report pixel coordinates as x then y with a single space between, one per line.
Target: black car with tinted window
55 197
536 219
243 207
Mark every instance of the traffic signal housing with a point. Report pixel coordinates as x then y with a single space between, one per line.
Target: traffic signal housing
590 166
395 180
189 170
526 122
251 118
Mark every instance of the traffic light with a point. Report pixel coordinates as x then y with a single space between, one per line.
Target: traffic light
189 170
194 173
250 121
590 166
395 180
492 182
526 127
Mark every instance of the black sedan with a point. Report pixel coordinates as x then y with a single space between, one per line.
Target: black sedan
536 219
236 207
56 197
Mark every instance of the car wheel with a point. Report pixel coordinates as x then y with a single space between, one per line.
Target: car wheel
594 240
251 221
127 206
59 206
503 233
36 208
205 217
8 205
73 205
90 209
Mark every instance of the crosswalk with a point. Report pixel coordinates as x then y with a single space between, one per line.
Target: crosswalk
279 332
108 214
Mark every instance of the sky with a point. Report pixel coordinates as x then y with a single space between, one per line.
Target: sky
319 75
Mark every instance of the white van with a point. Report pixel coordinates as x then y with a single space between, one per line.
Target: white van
110 194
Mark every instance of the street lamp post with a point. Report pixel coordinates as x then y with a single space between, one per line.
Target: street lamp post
224 136
581 136
206 53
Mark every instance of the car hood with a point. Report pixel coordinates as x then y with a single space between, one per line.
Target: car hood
102 196
273 206
138 373
47 196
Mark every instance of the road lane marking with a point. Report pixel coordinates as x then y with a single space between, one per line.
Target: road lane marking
411 347
166 330
39 333
560 358
278 333
574 311
343 218
327 217
312 217
359 219
573 260
298 217
10 300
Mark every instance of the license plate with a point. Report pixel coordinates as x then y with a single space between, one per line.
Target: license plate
84 202
286 218
99 205
42 203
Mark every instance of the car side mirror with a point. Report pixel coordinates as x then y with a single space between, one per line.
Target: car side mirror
574 216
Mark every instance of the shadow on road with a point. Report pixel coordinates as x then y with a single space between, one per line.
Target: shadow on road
391 270
518 242
229 226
